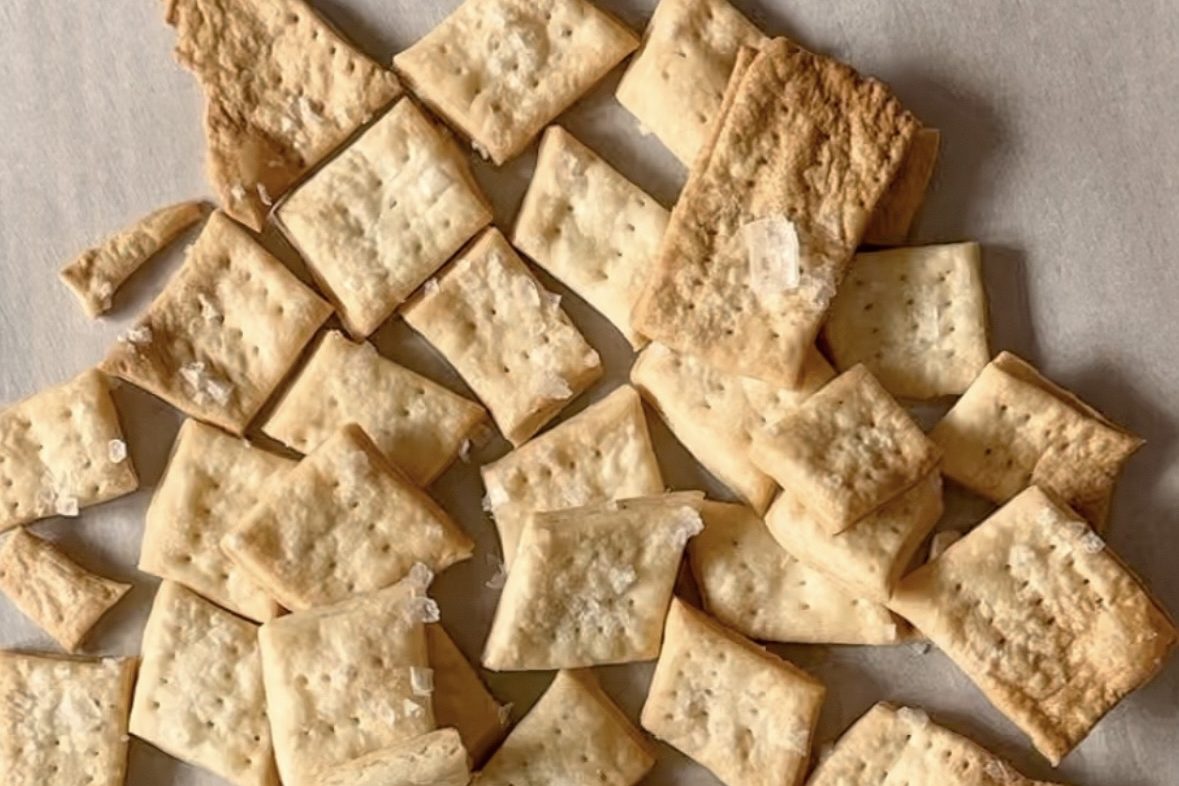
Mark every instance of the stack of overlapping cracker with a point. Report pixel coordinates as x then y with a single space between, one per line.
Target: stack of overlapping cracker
292 638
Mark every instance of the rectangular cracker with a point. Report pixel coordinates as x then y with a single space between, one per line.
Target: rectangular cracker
602 453
61 596
211 481
1048 623
590 227
501 70
62 450
897 209
573 735
383 215
223 333
915 317
199 696
420 425
806 147
461 700
63 720
96 274
506 335
437 758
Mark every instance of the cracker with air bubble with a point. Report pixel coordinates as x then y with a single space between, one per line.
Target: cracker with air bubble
1047 622
437 758
461 700
898 208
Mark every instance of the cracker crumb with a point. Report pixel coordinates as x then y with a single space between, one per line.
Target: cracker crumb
116 451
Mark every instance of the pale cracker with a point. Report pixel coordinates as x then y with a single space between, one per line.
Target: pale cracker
211 481
602 453
434 759
61 596
96 274
378 220
223 333
461 700
500 70
506 335
590 227
1042 617
63 721
574 735
282 90
736 709
199 695
55 452
417 423
897 209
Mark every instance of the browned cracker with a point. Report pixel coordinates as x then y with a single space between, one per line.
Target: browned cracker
898 207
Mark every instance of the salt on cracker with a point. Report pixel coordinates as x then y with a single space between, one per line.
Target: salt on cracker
1042 617
736 709
915 317
500 70
573 734
96 274
602 453
377 220
282 89
420 425
590 227
437 758
223 333
56 452
61 596
506 335
199 696
461 700
897 209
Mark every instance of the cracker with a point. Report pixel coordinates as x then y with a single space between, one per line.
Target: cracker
63 721
941 541
58 452
590 227
420 425
715 415
736 709
97 273
1014 427
211 481
506 335
575 736
898 207
461 700
437 758
500 70
590 586
223 333
381 217
199 695
602 453
342 522
846 451
1042 617
282 90
915 317
61 596
805 147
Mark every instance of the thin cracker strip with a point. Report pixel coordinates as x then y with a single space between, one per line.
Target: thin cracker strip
898 207
437 758
460 698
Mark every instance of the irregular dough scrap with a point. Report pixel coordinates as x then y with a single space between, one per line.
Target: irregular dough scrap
436 759
461 700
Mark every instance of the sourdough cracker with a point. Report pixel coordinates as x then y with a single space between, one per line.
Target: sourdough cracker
437 759
897 209
461 700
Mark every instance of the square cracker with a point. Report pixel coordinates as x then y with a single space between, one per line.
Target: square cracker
223 333
576 736
805 146
1042 617
602 453
763 592
461 700
915 317
420 425
846 451
199 695
590 227
590 586
500 70
61 596
283 89
743 713
63 721
898 207
57 452
211 480
506 335
1014 427
378 219
342 522
437 759
715 415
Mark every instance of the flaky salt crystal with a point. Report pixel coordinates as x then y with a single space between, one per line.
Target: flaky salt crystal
218 390
772 252
116 451
263 194
913 717
621 578
687 527
139 335
556 388
412 709
465 451
499 576
424 609
796 740
193 373
1091 543
505 713
238 192
209 311
421 680
67 506
921 647
431 287
420 576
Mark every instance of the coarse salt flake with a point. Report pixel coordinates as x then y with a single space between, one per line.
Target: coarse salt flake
140 335
1091 543
421 680
773 254
913 717
116 451
499 576
67 506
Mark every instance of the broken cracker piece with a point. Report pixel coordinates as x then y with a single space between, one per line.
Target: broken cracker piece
436 759
460 698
